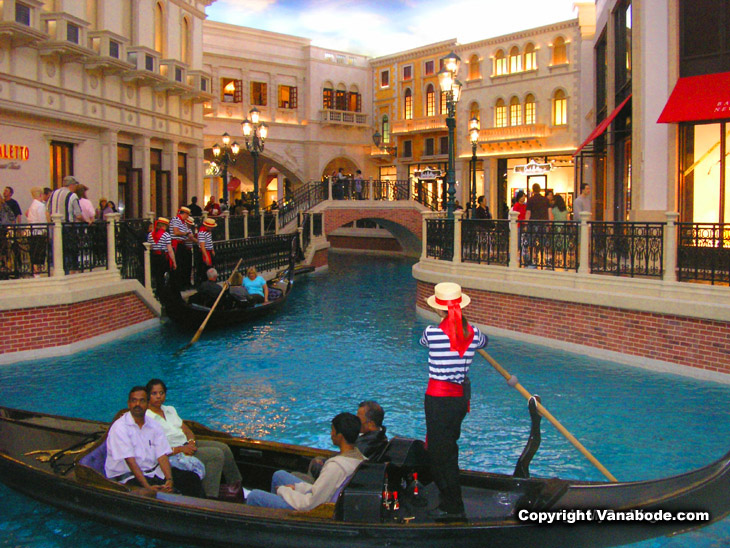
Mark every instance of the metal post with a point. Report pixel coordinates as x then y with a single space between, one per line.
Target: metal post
371 196
450 177
584 244
424 233
457 235
473 179
670 247
245 223
276 222
227 232
514 240
255 155
147 266
301 238
57 245
224 158
111 241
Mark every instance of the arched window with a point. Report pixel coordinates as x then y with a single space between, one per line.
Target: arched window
474 71
500 63
328 96
500 114
515 60
530 57
185 41
530 112
560 108
385 129
515 112
341 97
159 29
430 100
408 105
474 112
560 51
354 99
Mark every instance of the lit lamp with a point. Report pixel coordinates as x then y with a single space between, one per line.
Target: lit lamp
255 133
224 157
376 140
452 88
474 138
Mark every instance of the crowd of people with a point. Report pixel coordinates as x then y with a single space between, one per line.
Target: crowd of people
347 187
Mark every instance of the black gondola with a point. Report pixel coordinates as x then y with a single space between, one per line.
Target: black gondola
360 516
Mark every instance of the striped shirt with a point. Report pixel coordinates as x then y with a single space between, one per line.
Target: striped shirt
445 364
177 222
161 244
205 237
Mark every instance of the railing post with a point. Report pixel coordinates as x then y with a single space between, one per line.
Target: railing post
227 231
301 238
329 183
276 222
111 240
371 196
458 214
147 266
670 247
584 243
514 240
245 223
424 233
262 218
58 267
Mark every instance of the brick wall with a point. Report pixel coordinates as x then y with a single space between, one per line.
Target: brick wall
320 258
408 217
48 326
359 242
704 344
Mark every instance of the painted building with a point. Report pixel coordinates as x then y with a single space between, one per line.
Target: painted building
107 91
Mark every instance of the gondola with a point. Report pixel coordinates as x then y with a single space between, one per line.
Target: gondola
73 479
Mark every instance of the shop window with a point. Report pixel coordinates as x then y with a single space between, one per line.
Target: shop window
407 149
328 98
429 149
474 71
408 105
384 78
622 26
428 68
530 111
430 100
259 93
62 162
515 60
560 108
560 51
530 57
288 97
231 90
500 63
515 112
182 178
500 114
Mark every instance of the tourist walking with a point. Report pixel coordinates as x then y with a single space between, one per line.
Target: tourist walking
358 184
582 202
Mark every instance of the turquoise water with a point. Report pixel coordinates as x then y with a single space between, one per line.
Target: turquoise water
351 334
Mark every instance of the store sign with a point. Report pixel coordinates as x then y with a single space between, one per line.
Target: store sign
429 174
14 152
533 168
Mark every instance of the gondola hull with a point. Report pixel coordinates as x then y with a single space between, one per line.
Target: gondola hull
492 522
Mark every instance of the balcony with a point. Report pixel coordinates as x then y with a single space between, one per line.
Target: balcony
175 73
145 66
110 50
20 23
383 152
343 118
200 87
419 125
66 34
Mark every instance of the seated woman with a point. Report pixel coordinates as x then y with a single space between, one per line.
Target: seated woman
258 291
216 456
237 291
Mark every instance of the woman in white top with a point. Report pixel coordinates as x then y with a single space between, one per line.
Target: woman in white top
37 211
87 208
216 456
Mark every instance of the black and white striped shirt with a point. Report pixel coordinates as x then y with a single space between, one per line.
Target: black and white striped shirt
177 222
161 244
205 237
445 364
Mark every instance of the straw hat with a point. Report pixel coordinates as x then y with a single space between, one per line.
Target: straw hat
447 291
190 221
163 220
210 223
184 209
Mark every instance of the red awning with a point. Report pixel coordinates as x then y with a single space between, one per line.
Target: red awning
696 98
600 128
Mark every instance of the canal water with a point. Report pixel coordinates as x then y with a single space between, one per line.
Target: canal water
350 334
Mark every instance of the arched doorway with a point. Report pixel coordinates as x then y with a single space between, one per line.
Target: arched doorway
348 167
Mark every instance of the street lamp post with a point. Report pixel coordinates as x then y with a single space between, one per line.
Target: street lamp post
474 138
452 88
224 157
255 133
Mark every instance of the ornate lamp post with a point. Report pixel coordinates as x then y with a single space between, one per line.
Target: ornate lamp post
255 133
224 157
474 138
452 88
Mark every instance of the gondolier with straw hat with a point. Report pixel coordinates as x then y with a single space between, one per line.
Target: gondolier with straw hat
162 254
181 233
205 241
451 347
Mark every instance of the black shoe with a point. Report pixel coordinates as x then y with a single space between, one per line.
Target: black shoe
442 516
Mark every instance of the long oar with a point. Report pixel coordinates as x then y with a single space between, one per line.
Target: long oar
212 308
512 381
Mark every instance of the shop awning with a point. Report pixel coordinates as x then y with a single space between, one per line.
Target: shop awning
600 128
696 98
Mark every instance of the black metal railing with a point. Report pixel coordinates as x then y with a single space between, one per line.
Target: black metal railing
237 227
129 237
264 253
549 245
703 252
390 190
302 199
627 249
440 239
426 197
485 241
219 230
269 222
25 250
84 246
306 224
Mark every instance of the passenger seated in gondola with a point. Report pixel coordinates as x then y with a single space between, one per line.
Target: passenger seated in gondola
238 293
258 291
290 492
209 290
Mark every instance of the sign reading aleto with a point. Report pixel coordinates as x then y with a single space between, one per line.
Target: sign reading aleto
429 174
14 152
533 168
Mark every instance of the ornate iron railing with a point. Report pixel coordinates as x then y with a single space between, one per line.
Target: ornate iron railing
485 241
440 239
426 197
269 222
236 227
219 231
25 250
703 252
129 237
549 245
627 249
302 199
84 246
390 190
265 253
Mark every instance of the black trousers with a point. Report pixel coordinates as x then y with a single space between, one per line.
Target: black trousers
188 483
444 416
159 265
184 260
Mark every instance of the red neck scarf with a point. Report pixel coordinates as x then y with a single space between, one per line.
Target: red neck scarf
158 232
453 327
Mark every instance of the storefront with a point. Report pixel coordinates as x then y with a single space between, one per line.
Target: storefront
552 173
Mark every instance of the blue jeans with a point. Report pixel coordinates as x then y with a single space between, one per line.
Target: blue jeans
272 500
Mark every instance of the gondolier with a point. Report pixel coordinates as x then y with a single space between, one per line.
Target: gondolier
205 241
181 233
162 256
451 346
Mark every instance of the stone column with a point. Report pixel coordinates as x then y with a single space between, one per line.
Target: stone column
584 243
329 182
141 160
670 247
226 224
300 230
514 240
245 223
147 266
458 214
280 186
371 197
108 185
111 240
169 164
57 245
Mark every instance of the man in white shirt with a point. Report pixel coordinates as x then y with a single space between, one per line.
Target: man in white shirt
582 202
137 450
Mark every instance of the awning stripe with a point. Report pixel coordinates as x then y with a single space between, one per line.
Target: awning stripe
600 128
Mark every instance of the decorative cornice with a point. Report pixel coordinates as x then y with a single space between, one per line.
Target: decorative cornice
415 53
520 35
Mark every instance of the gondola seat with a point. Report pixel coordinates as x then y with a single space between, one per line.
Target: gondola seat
96 459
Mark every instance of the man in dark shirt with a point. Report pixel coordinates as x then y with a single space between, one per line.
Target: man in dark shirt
210 289
8 197
538 206
482 211
372 440
194 208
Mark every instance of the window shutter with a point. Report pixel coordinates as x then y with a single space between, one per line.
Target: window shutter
292 97
238 91
359 103
264 94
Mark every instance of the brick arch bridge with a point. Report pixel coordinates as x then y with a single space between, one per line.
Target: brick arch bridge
402 219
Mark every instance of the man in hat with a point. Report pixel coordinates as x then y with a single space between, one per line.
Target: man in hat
451 347
65 202
180 232
207 252
162 256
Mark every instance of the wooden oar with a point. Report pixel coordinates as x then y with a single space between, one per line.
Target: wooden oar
512 381
212 308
